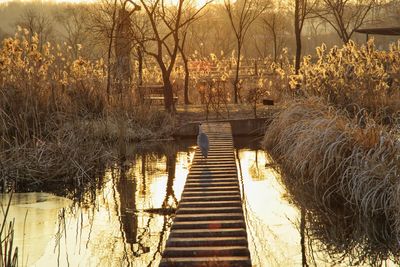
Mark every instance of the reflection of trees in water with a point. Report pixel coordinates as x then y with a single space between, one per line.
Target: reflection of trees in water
143 231
143 192
167 205
256 228
256 170
352 238
333 232
167 221
170 194
84 195
339 231
127 187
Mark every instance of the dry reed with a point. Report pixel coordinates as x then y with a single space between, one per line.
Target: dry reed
8 251
339 164
62 162
55 114
354 75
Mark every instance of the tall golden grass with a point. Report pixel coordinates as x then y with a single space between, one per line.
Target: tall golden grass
55 114
338 162
352 77
41 89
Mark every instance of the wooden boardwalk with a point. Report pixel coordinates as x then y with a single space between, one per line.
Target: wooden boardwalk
209 227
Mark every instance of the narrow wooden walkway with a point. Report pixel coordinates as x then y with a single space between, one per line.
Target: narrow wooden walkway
209 227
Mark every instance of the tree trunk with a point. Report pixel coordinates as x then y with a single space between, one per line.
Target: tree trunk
140 67
255 109
275 45
297 32
168 94
298 53
109 68
122 48
236 81
109 52
186 85
140 75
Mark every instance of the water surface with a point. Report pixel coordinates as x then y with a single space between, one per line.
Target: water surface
126 221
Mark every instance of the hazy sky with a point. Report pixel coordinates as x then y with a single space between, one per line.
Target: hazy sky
57 1
199 2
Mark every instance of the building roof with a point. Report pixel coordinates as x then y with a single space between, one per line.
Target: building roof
380 31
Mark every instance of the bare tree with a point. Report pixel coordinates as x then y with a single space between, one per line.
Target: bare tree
393 11
102 24
181 46
275 22
185 60
302 9
241 15
107 22
345 16
211 33
167 21
38 23
72 20
123 43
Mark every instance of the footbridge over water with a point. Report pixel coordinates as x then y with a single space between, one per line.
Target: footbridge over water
209 227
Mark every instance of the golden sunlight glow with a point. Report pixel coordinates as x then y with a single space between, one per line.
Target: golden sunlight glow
173 2
53 1
197 3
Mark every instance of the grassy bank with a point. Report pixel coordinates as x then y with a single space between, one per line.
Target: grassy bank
337 144
339 164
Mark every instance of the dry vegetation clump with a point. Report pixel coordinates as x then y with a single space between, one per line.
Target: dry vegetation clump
61 163
354 77
140 123
43 88
50 106
338 163
43 93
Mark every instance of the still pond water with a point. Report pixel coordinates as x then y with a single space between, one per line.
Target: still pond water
125 221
